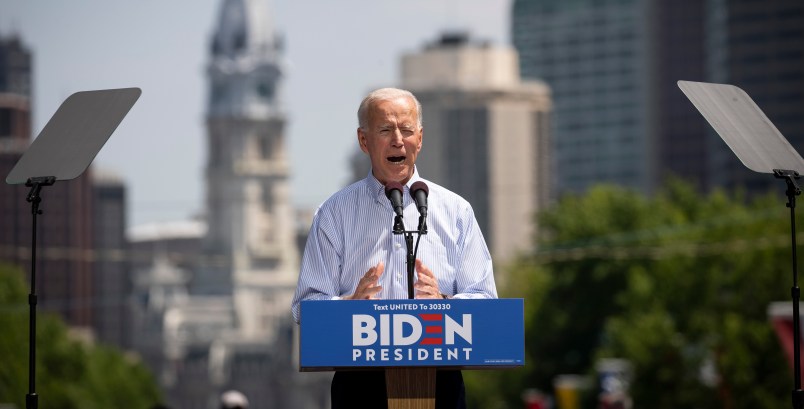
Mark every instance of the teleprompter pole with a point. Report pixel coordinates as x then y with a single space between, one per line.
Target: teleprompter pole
36 184
792 191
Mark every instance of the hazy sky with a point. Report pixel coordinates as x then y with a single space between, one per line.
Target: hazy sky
336 51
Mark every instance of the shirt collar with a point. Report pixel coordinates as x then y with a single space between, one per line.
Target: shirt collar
377 189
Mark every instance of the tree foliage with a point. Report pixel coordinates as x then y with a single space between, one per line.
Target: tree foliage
69 373
678 284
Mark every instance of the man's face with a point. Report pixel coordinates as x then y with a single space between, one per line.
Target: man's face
392 139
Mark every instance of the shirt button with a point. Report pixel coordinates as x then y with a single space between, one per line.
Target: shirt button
397 246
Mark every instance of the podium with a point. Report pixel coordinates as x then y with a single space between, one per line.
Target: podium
411 339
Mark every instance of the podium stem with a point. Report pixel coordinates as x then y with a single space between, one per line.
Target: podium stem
410 388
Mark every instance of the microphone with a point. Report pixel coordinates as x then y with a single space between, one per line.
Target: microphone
393 190
419 191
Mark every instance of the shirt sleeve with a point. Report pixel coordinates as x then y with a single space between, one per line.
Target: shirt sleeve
475 278
320 266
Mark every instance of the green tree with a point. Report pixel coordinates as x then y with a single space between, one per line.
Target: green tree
678 284
69 373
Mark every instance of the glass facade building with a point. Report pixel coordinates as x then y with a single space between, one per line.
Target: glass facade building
613 66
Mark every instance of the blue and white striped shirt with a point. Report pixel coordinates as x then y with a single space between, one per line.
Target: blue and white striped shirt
351 232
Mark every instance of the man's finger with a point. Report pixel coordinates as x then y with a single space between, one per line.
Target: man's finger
430 280
424 288
423 269
371 292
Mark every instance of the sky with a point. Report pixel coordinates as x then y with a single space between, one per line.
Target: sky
335 51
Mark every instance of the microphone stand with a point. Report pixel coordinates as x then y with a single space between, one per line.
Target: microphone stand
399 228
410 385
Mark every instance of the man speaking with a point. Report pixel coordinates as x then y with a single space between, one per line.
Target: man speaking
353 254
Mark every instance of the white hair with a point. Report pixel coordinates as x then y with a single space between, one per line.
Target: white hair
385 94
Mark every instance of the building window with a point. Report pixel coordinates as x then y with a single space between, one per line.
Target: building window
266 147
5 122
265 90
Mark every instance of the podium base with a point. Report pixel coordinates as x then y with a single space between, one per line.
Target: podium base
410 388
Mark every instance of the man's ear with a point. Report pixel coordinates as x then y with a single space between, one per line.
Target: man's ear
361 140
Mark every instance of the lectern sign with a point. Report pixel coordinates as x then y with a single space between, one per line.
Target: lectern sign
390 333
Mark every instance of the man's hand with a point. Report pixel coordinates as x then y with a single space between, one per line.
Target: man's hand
367 287
426 285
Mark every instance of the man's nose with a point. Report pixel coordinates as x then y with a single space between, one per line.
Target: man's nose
396 138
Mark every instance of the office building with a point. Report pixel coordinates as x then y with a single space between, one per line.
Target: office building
613 66
486 134
111 277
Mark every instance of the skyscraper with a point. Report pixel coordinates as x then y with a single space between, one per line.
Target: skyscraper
594 56
15 135
486 134
613 67
758 46
111 279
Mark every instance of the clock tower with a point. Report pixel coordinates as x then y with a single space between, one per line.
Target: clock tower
251 232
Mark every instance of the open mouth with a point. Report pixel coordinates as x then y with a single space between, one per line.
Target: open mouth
396 159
